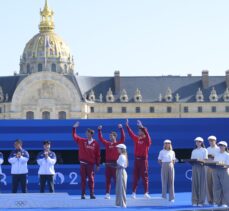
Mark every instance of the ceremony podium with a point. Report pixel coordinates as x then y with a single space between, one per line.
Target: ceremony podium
64 200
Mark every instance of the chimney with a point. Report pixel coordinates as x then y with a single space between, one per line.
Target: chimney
117 82
227 78
205 79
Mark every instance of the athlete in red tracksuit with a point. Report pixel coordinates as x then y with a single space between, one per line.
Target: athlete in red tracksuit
111 156
89 156
142 142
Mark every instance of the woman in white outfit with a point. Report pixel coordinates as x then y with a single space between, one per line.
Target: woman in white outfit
212 150
198 173
221 177
167 160
121 176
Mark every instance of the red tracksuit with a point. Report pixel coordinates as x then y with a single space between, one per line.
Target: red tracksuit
111 158
89 155
141 149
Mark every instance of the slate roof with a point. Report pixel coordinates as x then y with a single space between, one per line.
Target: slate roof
150 86
9 84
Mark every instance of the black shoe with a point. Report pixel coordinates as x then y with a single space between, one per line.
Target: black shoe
83 196
92 197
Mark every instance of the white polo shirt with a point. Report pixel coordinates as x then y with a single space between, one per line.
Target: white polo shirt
200 154
166 156
213 150
122 161
222 157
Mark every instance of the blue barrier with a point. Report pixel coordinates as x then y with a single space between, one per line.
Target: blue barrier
33 132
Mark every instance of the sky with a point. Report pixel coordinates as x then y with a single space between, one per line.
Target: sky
136 37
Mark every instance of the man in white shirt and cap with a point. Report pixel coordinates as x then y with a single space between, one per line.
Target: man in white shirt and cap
213 149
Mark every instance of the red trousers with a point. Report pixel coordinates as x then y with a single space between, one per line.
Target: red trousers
87 171
110 173
141 170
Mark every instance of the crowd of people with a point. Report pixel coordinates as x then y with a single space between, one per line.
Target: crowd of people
207 181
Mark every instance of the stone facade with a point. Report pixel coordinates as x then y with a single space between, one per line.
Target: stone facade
46 88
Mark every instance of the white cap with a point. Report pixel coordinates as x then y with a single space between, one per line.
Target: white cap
121 146
224 143
212 138
199 139
167 141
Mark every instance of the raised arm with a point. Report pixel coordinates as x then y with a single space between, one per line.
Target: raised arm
145 131
131 133
74 134
100 136
122 139
148 139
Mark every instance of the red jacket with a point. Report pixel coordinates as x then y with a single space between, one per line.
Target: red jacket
141 144
88 153
111 150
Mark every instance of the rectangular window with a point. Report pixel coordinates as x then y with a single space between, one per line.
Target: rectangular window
169 109
213 109
124 110
92 109
151 109
227 109
138 110
109 110
200 109
186 109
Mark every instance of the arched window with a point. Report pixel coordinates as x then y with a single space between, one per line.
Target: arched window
53 67
62 115
45 115
28 69
40 67
29 115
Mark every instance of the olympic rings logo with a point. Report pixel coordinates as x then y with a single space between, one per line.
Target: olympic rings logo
20 203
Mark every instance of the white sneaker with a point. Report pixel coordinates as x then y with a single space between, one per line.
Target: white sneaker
172 201
133 196
224 205
147 196
107 196
194 205
200 205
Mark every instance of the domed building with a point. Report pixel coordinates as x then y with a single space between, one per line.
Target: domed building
46 51
47 88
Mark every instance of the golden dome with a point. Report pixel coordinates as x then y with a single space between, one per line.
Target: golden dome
46 51
46 44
